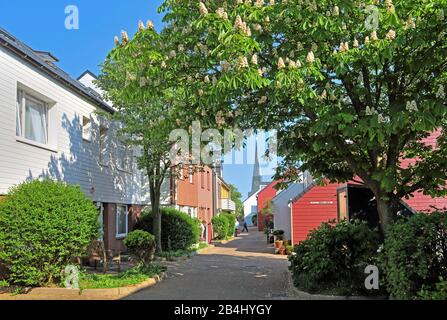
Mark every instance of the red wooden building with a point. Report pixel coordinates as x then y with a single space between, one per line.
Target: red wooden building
264 197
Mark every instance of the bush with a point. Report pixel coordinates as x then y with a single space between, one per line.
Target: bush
221 227
141 244
43 225
279 234
334 257
178 230
231 223
414 256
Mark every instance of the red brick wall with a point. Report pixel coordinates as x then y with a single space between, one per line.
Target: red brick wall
110 240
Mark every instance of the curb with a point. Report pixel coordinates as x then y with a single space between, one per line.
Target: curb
295 293
97 293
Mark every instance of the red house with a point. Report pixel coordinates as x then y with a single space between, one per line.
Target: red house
264 197
317 204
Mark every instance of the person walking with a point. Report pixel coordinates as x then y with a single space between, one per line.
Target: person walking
245 227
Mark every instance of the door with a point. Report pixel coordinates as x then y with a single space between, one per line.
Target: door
342 200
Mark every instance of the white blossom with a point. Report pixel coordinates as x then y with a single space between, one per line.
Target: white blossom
292 64
410 24
149 25
281 64
391 35
140 25
254 59
239 1
203 9
116 40
370 111
324 94
242 63
172 54
259 3
201 93
263 100
381 118
366 40
344 46
207 79
412 106
441 93
125 37
257 27
181 48
310 57
272 2
163 65
143 82
355 44
222 13
336 11
214 80
374 36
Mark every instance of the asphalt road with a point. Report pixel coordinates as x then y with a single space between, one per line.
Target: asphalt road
244 269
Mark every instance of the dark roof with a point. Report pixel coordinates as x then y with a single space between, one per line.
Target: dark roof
28 54
87 72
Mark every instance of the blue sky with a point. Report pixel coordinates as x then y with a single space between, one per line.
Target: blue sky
41 25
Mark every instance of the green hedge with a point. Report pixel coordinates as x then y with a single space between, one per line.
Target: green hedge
333 258
178 230
141 244
43 225
414 257
231 223
221 227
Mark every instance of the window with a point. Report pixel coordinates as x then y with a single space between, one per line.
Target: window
103 154
86 129
121 221
124 157
191 177
31 118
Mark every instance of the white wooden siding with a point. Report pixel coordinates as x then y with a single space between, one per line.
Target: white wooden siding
76 161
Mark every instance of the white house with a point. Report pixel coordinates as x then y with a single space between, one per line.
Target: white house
282 209
251 206
49 128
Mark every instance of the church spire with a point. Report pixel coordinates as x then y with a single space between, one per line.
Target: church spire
257 178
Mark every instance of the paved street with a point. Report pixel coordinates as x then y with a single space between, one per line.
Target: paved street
245 268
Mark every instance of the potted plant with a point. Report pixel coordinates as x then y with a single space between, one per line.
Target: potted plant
279 235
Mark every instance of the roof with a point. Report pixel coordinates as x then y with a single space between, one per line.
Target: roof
294 190
26 53
224 182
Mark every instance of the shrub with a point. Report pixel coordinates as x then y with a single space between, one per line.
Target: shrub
220 227
178 230
414 256
334 257
141 244
43 225
279 234
231 223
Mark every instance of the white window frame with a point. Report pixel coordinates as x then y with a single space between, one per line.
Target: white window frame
191 175
22 97
122 235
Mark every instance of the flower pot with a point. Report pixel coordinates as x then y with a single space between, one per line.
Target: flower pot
279 244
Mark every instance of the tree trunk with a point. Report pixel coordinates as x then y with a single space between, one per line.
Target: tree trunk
155 204
385 210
